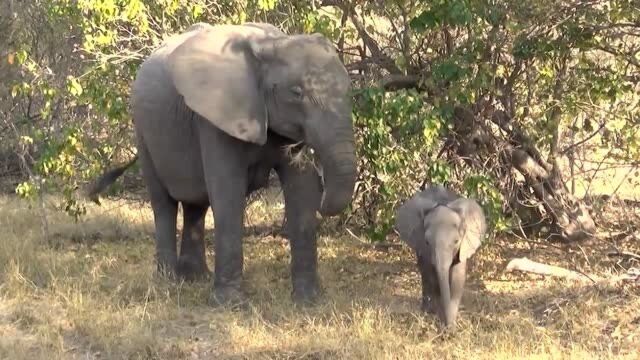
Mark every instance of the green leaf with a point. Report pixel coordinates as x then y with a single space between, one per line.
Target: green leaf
267 4
448 70
73 86
26 190
426 20
15 90
24 139
21 56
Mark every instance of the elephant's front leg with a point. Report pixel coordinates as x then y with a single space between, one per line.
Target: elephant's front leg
430 291
457 278
225 171
302 193
228 204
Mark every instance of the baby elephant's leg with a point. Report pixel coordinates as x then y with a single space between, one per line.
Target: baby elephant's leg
430 290
457 277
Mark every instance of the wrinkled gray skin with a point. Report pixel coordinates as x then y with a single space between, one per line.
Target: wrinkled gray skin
213 108
444 230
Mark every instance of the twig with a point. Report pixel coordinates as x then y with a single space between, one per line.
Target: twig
624 254
586 192
584 254
385 60
539 243
572 146
615 191
356 236
387 245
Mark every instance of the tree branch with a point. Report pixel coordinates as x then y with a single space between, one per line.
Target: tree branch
399 82
630 58
526 265
570 147
385 61
343 21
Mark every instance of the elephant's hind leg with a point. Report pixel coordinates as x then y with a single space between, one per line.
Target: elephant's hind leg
192 263
165 212
302 193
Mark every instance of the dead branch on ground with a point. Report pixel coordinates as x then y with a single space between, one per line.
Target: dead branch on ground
530 266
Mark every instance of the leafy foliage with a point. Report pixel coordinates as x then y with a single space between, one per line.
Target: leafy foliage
514 75
395 133
558 77
398 135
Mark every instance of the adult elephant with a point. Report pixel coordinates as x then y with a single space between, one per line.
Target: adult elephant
214 109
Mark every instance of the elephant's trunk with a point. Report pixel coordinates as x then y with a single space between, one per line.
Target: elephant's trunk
446 306
336 153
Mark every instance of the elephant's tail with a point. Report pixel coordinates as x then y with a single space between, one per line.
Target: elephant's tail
103 182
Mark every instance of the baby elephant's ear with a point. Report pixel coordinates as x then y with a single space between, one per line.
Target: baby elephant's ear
472 227
410 220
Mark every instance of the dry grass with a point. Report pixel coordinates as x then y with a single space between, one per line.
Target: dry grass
91 293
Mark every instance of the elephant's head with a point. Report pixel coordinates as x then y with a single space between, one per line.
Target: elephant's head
409 218
445 229
251 79
437 217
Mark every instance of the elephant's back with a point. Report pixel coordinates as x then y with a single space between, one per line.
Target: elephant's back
221 39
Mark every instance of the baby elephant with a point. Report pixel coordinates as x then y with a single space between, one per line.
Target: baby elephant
444 229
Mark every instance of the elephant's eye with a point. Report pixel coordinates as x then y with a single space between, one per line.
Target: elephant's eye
297 91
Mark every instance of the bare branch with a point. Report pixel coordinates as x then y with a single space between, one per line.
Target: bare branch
399 82
628 57
384 60
572 146
526 265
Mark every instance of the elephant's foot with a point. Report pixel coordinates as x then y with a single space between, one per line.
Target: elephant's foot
306 290
229 296
192 269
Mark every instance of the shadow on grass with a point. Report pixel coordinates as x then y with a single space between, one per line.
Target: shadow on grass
126 310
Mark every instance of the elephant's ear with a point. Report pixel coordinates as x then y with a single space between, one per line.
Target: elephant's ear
216 73
410 220
472 227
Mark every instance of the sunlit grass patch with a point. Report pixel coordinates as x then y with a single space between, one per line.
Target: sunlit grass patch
92 293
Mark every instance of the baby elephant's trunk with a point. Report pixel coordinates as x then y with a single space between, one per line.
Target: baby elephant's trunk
447 311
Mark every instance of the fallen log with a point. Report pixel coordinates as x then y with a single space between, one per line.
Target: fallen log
525 265
530 266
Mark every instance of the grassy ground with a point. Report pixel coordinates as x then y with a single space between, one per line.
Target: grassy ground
90 293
